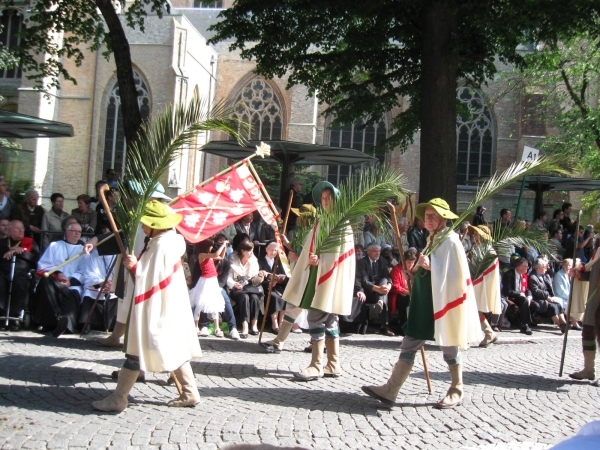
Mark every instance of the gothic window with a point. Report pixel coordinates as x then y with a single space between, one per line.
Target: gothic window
474 136
356 137
258 105
11 22
208 4
114 136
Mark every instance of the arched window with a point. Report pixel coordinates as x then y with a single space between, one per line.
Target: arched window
258 105
114 136
356 137
11 22
474 137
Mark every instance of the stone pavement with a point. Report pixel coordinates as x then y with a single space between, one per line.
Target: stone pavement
514 397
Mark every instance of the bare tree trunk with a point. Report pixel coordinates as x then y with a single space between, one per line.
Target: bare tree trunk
132 119
439 67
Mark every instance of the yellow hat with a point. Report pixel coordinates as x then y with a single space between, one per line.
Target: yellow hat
306 209
439 205
483 231
159 216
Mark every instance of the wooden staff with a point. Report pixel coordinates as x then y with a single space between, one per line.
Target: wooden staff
78 255
274 274
568 317
409 284
113 225
108 272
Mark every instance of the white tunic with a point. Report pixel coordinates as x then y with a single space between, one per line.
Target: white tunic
57 253
487 290
92 271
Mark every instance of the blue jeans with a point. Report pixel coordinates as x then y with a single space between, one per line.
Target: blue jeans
227 314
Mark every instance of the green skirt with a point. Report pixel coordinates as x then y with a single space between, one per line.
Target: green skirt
310 289
420 323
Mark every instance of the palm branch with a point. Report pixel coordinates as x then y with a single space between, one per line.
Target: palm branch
503 240
160 142
360 194
497 182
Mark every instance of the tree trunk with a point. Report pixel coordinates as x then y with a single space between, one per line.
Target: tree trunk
439 67
132 119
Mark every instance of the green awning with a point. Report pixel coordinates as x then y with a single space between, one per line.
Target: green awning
14 125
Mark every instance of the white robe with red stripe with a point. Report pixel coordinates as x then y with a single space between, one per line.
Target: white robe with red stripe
454 305
487 290
335 277
161 328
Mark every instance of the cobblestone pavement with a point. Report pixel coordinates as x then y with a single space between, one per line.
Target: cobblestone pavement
514 397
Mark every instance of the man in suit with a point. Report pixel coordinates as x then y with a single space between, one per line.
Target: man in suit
515 288
247 225
373 283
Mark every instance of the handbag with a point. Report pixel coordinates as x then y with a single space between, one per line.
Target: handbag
251 289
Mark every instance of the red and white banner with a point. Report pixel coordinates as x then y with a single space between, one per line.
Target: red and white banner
211 207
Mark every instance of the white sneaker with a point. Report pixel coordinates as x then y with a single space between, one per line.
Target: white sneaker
234 334
297 330
203 332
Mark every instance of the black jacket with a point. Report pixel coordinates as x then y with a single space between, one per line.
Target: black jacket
508 285
541 288
277 287
417 239
366 277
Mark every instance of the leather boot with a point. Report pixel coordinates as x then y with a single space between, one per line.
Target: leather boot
388 393
490 336
589 367
454 396
117 401
114 340
276 345
190 395
332 368
315 369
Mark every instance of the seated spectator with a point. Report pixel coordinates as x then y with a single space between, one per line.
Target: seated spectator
556 238
237 240
57 297
515 288
561 283
52 220
373 284
399 296
277 304
219 239
87 218
92 272
359 251
4 228
417 235
7 205
31 214
244 284
373 236
549 305
111 178
247 225
223 268
539 224
386 253
26 254
101 216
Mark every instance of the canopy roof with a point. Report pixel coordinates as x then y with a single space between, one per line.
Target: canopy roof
546 183
14 125
288 152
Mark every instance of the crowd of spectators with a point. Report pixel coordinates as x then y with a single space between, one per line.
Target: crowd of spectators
534 287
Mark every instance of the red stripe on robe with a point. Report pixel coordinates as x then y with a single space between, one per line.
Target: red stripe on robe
341 259
157 287
453 304
486 272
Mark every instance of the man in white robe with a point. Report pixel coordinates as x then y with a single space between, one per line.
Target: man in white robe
57 297
161 334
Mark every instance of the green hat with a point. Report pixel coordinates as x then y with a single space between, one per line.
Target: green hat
439 205
320 187
159 216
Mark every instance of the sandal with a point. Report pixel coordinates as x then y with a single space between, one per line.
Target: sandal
219 333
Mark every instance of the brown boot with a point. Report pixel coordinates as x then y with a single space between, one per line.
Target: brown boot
315 369
454 396
276 345
190 395
117 401
388 393
589 367
490 336
114 340
332 368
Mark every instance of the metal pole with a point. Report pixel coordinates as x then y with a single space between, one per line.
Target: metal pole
520 197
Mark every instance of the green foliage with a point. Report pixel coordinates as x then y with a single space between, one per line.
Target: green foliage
82 26
498 182
360 195
364 58
160 142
